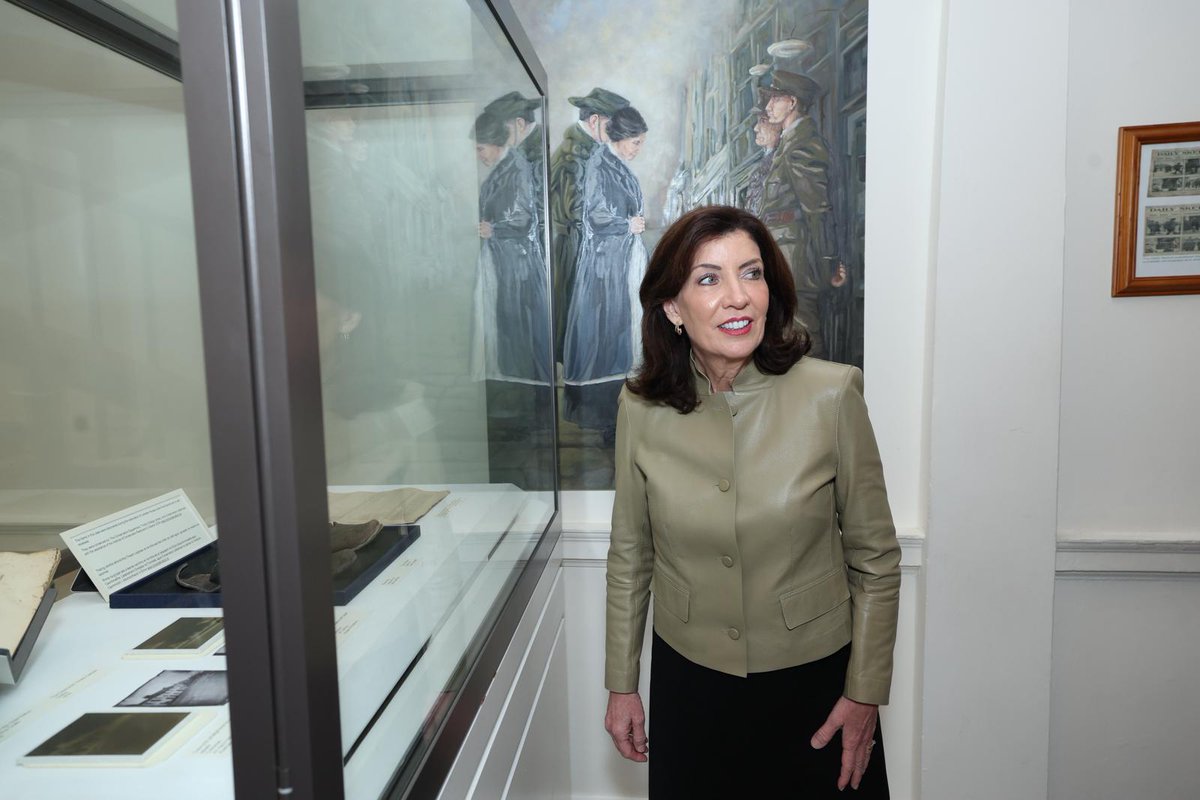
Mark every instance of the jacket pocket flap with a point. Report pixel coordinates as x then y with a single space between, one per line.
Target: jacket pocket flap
670 595
814 599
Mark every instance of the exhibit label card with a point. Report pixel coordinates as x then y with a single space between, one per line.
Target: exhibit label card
123 548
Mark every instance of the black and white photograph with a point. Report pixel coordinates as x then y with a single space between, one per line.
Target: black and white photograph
186 633
110 734
1168 168
1162 244
176 688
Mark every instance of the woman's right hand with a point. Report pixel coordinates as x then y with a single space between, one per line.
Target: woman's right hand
637 224
625 722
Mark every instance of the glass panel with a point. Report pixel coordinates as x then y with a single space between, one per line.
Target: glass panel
102 407
436 357
157 14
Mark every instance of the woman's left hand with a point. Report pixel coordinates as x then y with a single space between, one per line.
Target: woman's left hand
857 722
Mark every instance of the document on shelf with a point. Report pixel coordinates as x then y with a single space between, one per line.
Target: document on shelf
123 548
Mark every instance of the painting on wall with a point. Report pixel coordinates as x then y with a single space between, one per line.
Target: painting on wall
657 107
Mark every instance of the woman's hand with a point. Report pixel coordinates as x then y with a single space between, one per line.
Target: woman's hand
637 224
857 722
485 230
625 722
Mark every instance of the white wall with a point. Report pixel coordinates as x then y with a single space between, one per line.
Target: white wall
903 71
1130 443
1126 713
994 426
1124 716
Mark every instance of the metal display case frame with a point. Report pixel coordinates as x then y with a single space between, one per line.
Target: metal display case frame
245 98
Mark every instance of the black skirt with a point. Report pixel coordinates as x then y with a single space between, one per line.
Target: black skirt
714 735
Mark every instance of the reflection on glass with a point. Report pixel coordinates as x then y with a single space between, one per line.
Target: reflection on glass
512 330
427 181
102 401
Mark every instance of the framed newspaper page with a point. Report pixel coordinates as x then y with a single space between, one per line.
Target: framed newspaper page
1156 247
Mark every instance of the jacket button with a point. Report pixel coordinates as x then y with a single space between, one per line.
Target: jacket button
727 561
735 634
723 485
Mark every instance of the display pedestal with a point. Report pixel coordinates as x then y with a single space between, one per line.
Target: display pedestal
418 616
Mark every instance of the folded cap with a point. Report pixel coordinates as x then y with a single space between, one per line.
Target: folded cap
511 106
602 101
801 87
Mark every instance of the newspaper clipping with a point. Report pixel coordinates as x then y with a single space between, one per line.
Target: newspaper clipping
1172 230
1175 172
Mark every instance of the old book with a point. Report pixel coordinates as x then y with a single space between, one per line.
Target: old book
25 598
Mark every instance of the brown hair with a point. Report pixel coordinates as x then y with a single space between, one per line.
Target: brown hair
666 374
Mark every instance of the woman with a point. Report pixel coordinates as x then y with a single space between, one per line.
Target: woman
750 503
603 316
511 345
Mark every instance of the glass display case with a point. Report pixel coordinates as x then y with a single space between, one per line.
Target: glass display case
102 407
289 258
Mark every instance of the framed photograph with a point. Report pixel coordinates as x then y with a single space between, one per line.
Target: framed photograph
1156 247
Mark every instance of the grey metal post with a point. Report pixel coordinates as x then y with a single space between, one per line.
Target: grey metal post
246 139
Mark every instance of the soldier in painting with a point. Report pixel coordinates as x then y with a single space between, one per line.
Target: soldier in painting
795 202
766 136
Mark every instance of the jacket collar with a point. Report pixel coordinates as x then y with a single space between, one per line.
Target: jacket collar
804 127
748 379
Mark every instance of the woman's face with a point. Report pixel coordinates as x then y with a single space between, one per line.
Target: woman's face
628 149
488 154
723 303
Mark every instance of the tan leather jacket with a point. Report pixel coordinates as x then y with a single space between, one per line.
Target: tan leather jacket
760 524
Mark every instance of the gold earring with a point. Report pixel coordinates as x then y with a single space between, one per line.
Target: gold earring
678 330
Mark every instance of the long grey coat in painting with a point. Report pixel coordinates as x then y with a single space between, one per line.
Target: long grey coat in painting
602 338
512 327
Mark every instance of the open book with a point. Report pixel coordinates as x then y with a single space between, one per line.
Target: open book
25 598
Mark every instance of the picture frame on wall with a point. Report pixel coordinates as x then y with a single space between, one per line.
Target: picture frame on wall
1156 243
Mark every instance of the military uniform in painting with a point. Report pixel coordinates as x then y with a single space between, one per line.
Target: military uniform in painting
601 339
566 176
795 206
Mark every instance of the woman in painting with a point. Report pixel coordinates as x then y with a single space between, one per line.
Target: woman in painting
511 346
750 505
602 333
